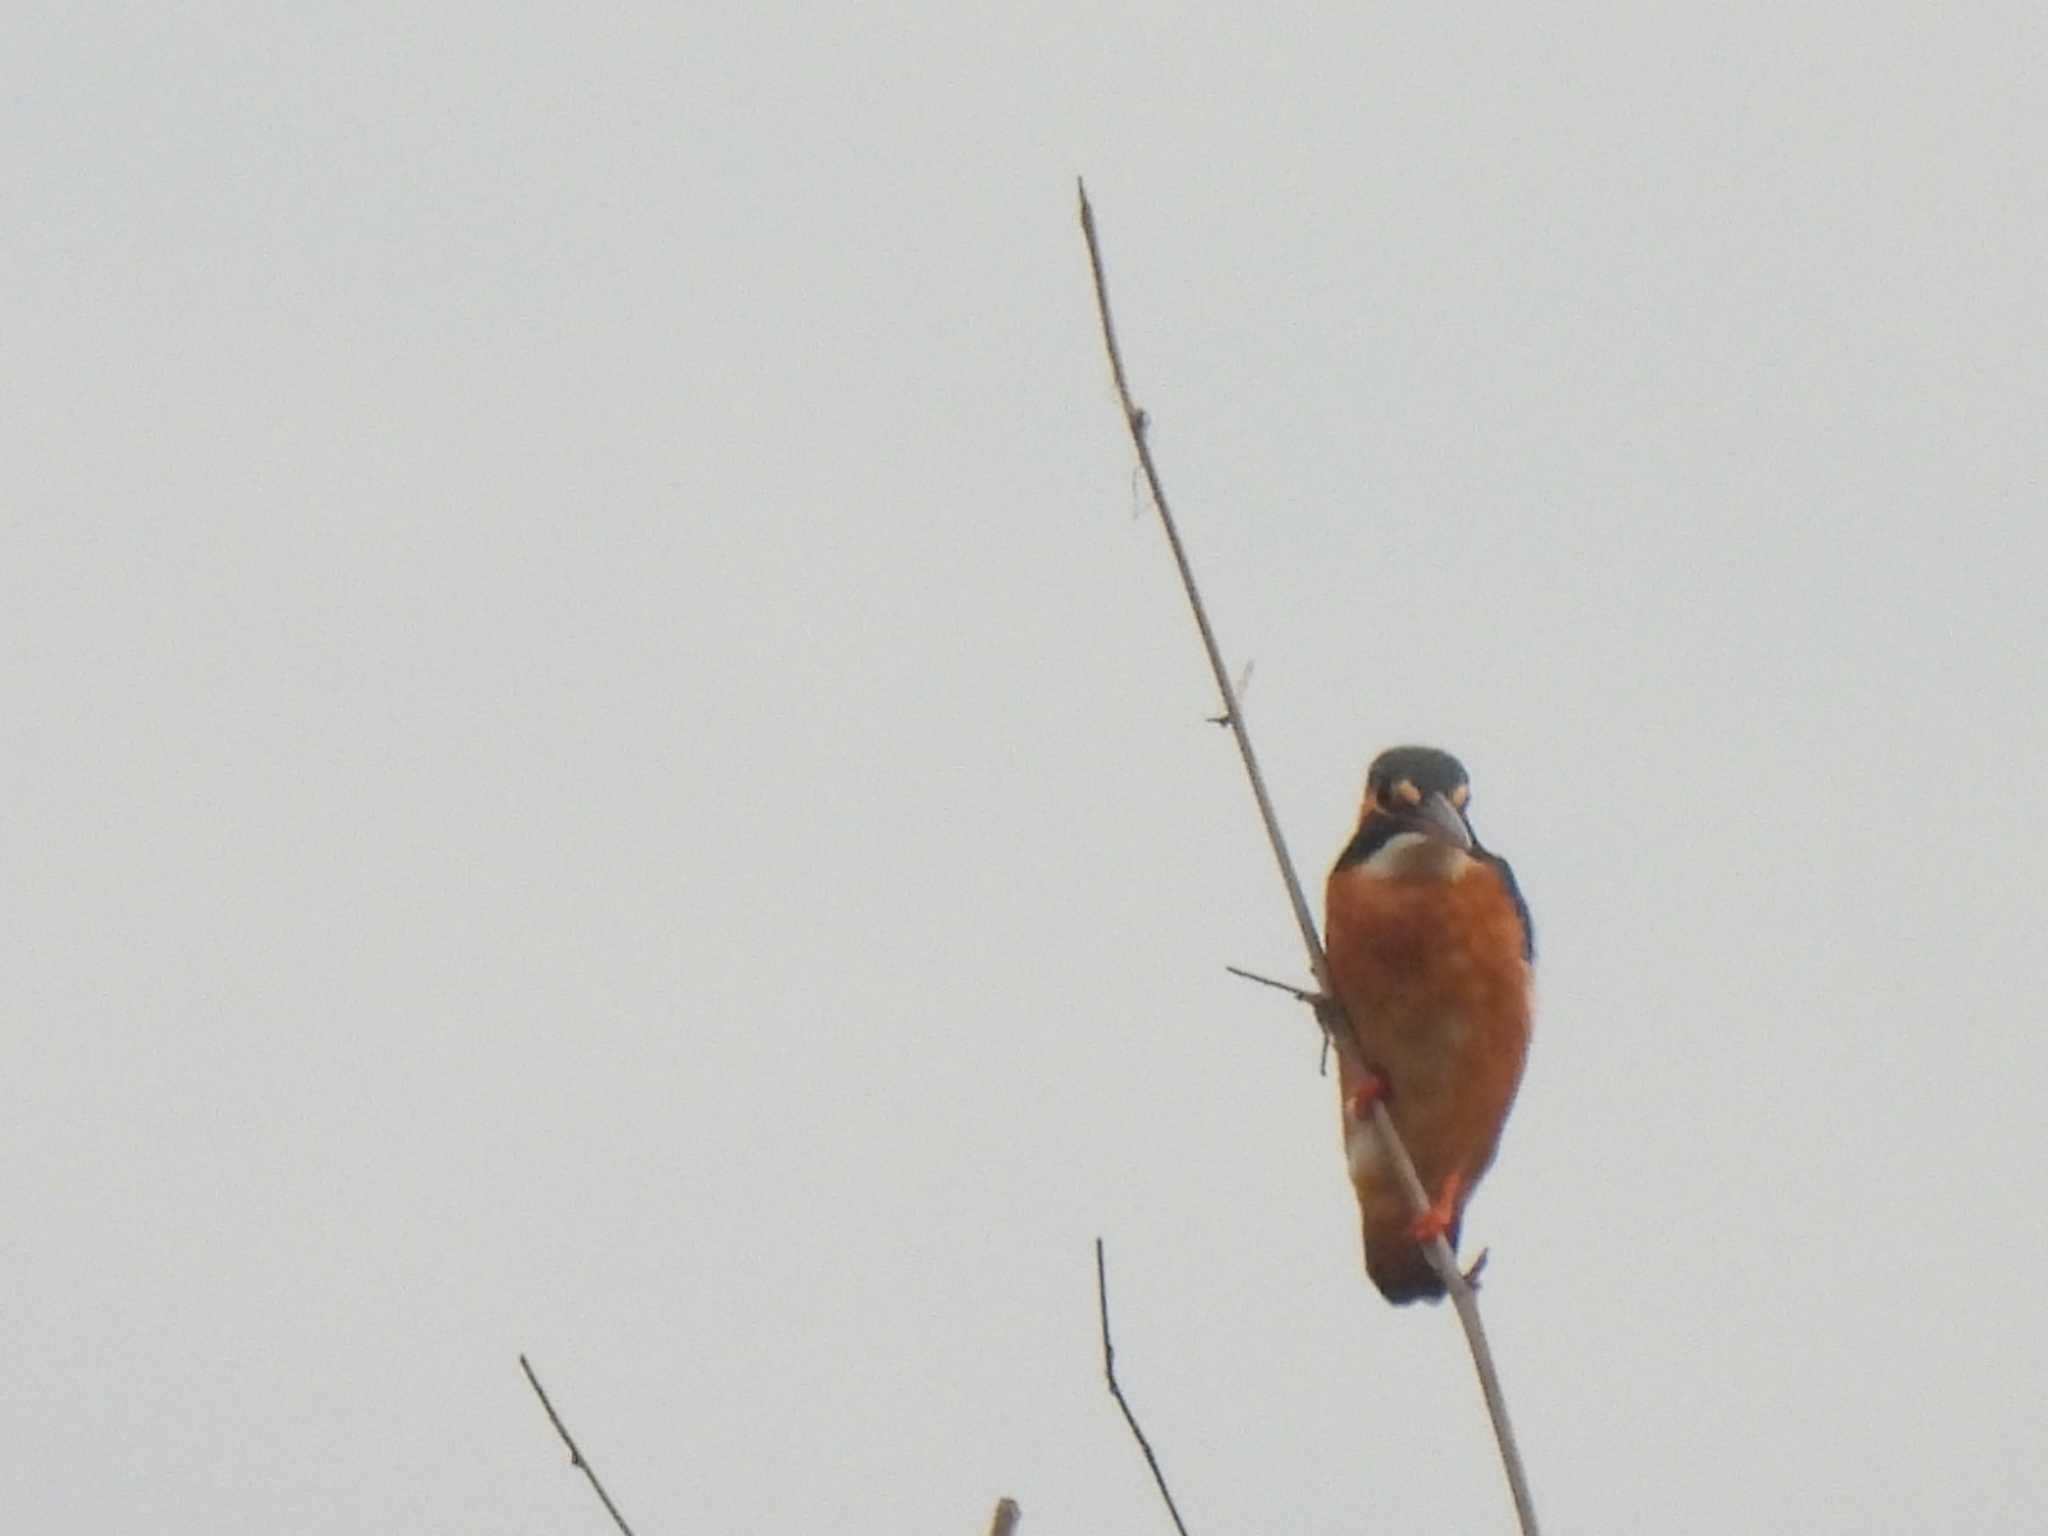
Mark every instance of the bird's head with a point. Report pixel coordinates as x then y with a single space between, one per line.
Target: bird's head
1413 825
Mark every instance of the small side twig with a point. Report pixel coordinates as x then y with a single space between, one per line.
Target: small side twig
1117 1392
1007 1515
1299 994
575 1456
1338 1030
1315 1000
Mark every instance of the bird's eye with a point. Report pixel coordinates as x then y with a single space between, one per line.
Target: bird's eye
1460 795
1406 792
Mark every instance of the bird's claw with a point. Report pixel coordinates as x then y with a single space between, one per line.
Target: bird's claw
1372 1089
1442 1214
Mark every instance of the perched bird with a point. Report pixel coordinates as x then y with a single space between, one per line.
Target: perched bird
1430 953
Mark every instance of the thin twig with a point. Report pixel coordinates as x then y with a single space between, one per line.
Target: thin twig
1233 709
1117 1392
1299 994
1329 1014
1007 1515
575 1456
1315 1000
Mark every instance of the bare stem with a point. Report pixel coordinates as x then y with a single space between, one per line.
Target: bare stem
1329 1013
1117 1392
575 1456
1007 1515
1233 708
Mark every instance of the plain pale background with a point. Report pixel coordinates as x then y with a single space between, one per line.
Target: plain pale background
601 757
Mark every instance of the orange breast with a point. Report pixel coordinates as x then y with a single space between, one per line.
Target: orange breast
1433 977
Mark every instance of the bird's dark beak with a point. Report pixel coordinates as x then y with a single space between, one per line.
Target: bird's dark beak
1436 817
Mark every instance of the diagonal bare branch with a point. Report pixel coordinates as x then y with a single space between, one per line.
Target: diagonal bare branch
575 1456
1233 708
1117 1392
1336 1027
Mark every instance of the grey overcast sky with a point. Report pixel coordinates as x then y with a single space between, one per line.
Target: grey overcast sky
600 759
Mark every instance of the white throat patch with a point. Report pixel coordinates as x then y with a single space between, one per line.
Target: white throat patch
1415 856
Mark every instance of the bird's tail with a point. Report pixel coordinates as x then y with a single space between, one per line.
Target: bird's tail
1400 1266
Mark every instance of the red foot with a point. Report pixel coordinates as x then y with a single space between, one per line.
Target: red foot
1442 1213
1368 1093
